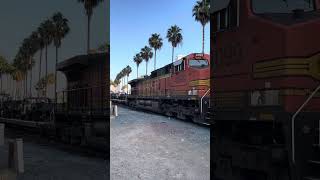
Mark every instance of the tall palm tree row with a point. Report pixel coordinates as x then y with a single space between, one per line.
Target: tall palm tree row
201 13
155 41
41 39
50 31
89 5
137 59
128 70
146 54
60 30
3 70
24 58
34 41
174 37
48 28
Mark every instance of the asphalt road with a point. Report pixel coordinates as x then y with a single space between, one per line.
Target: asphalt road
149 146
44 160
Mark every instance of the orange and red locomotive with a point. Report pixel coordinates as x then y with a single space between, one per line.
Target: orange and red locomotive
266 75
179 89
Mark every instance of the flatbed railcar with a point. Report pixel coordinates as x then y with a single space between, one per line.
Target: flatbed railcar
266 77
180 89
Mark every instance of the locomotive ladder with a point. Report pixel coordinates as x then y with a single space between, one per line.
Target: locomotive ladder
311 163
293 121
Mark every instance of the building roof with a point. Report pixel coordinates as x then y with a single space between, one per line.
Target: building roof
218 5
80 61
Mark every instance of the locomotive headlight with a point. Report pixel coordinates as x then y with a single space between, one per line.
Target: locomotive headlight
265 98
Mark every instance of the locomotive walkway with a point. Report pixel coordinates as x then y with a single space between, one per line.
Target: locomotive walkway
149 146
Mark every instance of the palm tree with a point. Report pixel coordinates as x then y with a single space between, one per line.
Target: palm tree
155 41
44 82
35 45
137 59
3 67
61 29
48 27
41 39
17 76
128 71
123 74
175 37
24 59
146 54
201 13
89 5
9 70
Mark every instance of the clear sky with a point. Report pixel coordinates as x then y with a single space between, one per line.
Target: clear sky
133 22
19 18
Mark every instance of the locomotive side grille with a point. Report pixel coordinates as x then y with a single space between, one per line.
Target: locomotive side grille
288 67
201 82
229 99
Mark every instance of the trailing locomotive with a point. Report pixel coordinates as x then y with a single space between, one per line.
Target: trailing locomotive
180 89
266 77
81 112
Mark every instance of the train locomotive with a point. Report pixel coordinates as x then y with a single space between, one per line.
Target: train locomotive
79 115
266 77
179 89
82 110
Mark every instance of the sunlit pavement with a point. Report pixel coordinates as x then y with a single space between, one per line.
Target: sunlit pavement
148 146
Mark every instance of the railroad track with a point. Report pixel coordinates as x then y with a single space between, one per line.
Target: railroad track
121 104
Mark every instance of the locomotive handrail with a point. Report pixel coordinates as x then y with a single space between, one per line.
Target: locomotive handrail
202 99
293 121
81 88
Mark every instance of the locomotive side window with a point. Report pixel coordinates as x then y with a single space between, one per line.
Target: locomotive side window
179 67
227 18
198 63
284 6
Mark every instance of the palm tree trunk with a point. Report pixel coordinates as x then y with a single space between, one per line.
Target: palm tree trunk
155 58
30 82
26 84
202 39
8 87
40 67
146 68
1 83
88 35
127 85
172 53
137 71
45 89
55 77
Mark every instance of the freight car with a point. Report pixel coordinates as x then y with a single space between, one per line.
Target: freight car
266 76
180 89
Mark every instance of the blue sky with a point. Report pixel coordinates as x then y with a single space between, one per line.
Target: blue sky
20 18
133 22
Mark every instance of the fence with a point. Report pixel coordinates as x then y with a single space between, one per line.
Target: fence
89 99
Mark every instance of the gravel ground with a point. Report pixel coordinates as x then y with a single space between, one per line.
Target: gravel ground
148 146
49 161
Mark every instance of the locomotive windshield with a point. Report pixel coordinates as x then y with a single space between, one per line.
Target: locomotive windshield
198 63
281 6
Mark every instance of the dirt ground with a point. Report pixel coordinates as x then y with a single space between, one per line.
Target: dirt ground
148 146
